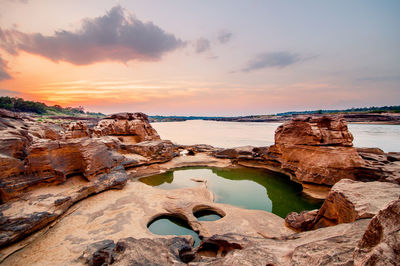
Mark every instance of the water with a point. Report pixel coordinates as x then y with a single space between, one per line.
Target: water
243 187
217 134
385 137
206 215
234 134
168 225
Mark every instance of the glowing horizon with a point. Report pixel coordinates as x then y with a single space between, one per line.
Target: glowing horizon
227 58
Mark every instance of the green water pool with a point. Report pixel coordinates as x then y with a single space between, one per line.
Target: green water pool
243 187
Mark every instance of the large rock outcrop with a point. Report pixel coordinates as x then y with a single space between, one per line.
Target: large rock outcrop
347 202
36 155
130 127
316 150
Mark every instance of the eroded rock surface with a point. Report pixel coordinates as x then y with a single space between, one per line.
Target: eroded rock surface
327 246
386 166
36 155
380 244
347 202
130 127
316 150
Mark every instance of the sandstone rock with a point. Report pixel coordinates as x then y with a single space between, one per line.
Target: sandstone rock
302 221
131 127
327 246
52 162
380 165
22 217
316 150
77 129
318 131
245 152
131 251
380 244
347 202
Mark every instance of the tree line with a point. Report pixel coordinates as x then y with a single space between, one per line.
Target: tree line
20 105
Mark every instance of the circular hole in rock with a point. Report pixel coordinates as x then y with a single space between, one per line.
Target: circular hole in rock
203 213
171 225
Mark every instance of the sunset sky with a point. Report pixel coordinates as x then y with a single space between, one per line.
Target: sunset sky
177 57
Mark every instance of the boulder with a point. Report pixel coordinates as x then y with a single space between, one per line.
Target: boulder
380 244
149 152
315 131
302 221
347 202
316 150
131 251
130 127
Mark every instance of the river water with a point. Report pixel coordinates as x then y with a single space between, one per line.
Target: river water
234 134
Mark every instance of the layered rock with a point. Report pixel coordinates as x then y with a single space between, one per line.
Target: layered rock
77 129
347 202
385 166
309 150
380 244
325 246
130 127
36 155
316 150
19 218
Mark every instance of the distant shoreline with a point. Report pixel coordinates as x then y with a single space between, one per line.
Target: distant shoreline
354 118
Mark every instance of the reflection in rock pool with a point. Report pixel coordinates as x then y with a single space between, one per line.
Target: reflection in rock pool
207 215
168 225
244 187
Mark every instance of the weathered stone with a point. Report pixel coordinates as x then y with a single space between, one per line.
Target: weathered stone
380 244
131 127
20 218
383 166
153 151
315 131
349 201
131 251
77 129
302 221
316 150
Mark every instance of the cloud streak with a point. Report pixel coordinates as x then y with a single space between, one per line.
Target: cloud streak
224 36
3 73
279 59
202 45
112 37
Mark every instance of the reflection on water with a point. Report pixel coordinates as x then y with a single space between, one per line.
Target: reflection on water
244 187
168 225
234 134
207 215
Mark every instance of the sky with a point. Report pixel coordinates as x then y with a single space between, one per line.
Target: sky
207 57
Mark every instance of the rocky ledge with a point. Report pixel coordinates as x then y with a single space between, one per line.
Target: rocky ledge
48 171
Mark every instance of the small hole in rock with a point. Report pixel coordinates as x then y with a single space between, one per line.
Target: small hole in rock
205 213
172 225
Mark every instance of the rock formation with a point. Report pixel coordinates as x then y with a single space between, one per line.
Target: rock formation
347 202
310 150
380 244
36 155
46 171
316 150
129 127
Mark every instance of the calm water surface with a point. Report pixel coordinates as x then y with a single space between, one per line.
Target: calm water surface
234 134
243 187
